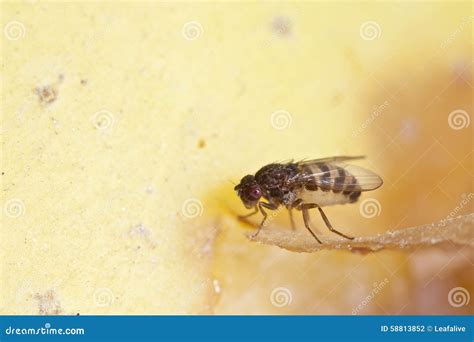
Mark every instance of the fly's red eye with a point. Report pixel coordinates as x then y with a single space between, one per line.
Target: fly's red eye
255 193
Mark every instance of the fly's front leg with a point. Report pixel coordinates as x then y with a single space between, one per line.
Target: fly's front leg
290 212
262 205
329 224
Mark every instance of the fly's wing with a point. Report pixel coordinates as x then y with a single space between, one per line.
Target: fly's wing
337 176
336 159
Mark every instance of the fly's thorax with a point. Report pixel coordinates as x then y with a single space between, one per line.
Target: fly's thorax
276 180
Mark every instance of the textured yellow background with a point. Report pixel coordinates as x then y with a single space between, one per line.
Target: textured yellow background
118 122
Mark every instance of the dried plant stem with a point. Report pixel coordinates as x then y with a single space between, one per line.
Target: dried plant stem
457 231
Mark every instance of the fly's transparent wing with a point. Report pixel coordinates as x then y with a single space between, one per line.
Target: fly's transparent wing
336 159
338 176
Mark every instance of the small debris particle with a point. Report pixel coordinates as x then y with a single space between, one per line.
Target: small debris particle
47 94
48 304
140 230
201 143
84 82
282 26
55 123
217 286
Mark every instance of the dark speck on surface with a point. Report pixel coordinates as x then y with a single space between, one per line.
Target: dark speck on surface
282 26
47 94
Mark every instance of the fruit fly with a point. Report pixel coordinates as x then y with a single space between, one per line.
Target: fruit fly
305 185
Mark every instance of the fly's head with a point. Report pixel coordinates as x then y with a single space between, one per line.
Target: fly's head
249 191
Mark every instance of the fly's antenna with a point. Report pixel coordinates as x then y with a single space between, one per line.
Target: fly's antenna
231 182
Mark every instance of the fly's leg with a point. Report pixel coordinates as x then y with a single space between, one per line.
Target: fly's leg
306 222
304 207
242 217
329 224
293 227
262 205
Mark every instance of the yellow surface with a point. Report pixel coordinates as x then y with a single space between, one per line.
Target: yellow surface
119 120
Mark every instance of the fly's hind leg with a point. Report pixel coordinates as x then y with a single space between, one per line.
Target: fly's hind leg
262 205
304 207
329 224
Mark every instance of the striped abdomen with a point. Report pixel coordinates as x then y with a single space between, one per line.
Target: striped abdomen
328 184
